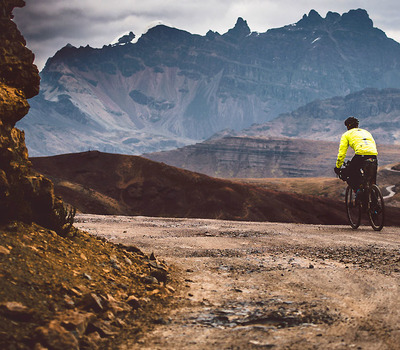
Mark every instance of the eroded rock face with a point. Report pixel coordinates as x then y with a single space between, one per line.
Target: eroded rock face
24 195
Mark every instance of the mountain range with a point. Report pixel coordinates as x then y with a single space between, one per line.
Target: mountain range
377 110
172 88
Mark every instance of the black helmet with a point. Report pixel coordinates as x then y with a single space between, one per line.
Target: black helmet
351 122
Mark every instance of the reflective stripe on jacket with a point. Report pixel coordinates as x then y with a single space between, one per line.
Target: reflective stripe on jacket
358 139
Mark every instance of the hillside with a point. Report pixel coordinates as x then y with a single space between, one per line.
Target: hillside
102 183
75 292
173 88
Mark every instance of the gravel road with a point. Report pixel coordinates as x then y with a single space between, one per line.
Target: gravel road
248 285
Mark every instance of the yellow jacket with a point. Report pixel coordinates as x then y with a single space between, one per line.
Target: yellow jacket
358 139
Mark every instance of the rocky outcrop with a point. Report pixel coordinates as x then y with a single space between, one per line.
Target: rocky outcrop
24 195
173 88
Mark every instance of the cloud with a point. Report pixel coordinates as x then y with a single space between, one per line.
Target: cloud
49 25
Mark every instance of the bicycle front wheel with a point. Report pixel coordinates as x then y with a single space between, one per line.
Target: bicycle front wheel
376 208
353 208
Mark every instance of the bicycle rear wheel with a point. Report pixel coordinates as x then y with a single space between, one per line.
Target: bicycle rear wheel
353 209
376 208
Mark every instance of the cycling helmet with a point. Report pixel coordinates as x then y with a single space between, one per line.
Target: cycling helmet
351 122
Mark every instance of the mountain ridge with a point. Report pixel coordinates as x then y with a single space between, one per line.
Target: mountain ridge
377 111
172 88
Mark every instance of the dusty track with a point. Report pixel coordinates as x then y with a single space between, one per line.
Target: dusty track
267 285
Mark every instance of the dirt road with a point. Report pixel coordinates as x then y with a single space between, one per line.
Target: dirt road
253 285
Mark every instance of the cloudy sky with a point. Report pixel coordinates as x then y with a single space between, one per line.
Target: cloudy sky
48 25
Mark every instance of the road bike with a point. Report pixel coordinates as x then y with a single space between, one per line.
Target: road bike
368 198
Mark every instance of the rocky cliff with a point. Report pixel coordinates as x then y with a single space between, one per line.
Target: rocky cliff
172 88
262 157
24 195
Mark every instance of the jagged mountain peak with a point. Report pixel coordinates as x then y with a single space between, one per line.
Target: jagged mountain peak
357 19
354 19
162 32
312 19
241 29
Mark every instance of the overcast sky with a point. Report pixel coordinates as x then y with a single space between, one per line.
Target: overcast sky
48 25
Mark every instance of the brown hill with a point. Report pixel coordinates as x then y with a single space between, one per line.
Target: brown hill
103 183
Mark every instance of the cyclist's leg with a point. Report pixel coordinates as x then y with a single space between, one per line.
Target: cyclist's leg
373 169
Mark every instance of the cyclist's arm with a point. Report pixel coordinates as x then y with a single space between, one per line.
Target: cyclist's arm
343 147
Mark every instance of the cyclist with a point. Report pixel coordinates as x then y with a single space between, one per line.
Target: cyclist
365 149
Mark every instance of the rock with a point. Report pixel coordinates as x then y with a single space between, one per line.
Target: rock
134 302
68 300
159 320
109 315
75 292
160 274
87 276
158 270
104 328
56 337
16 311
77 322
91 301
4 250
150 280
156 265
116 266
91 341
170 289
117 307
119 323
128 261
114 260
